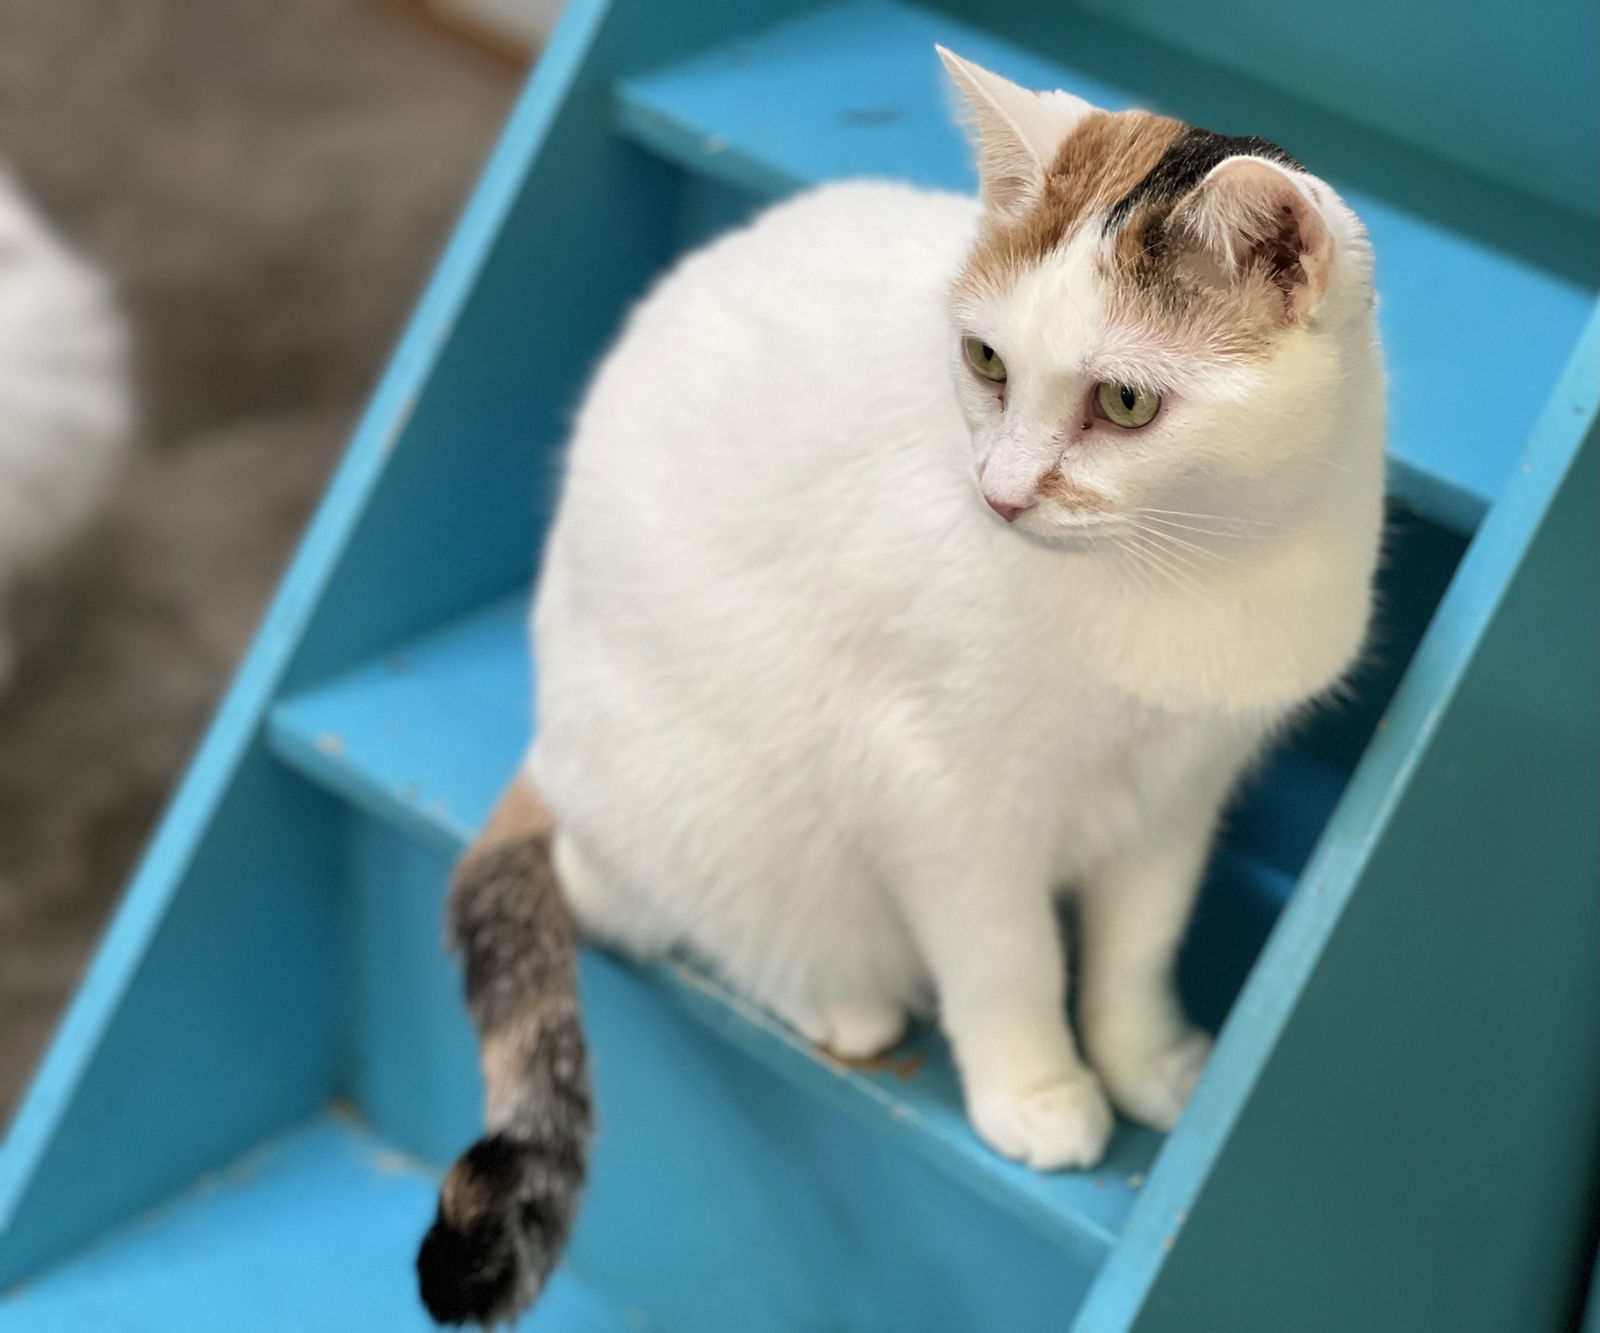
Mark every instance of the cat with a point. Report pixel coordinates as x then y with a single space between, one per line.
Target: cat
919 557
65 401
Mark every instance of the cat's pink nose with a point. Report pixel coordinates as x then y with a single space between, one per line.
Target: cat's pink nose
1008 512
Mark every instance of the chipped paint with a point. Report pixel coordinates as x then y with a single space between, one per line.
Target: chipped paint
867 116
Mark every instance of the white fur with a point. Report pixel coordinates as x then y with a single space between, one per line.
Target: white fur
64 401
808 708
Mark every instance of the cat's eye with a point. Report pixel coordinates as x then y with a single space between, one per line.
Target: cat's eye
984 359
1127 405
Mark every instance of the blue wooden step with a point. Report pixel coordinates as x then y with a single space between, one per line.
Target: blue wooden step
424 737
1475 325
302 1233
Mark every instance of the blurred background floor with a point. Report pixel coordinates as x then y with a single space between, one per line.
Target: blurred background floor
267 181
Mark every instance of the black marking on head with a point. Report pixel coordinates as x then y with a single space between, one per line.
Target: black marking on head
1189 160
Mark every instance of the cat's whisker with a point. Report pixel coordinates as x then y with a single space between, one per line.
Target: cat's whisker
1331 466
1160 561
1169 573
1144 575
1156 517
1187 553
1124 553
1228 520
1133 565
1172 557
1176 543
1238 520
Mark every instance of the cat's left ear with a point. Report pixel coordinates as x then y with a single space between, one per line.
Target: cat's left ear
1257 221
1017 133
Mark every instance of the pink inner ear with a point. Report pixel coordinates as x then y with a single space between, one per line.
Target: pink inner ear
1256 218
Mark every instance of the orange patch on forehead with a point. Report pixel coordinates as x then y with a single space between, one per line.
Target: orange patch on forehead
1099 165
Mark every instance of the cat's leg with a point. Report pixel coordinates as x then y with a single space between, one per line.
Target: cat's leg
1132 915
604 914
855 1028
842 976
991 939
856 1024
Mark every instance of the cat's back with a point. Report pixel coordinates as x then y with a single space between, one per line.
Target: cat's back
758 360
834 251
749 485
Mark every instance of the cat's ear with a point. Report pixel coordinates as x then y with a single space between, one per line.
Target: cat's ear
1255 221
1017 133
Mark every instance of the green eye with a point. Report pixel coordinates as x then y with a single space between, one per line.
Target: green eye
1126 405
984 359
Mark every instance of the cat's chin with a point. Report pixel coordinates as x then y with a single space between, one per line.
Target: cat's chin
1072 535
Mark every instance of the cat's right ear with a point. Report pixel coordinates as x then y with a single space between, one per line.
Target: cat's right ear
1016 133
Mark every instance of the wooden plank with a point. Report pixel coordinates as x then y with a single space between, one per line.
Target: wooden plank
426 735
208 1019
312 1229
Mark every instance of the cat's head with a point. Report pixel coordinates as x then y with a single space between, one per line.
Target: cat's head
1153 320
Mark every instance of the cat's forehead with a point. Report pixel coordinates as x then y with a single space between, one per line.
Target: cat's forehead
1123 168
1060 322
1104 204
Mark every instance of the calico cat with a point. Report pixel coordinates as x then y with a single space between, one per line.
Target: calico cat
64 395
921 558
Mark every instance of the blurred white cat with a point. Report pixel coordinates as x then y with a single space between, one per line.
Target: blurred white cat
65 400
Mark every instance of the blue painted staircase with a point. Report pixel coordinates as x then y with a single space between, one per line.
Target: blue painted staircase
241 1120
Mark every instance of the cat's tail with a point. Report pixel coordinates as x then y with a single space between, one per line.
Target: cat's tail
507 1204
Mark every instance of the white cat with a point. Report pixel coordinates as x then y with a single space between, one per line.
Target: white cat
64 395
921 559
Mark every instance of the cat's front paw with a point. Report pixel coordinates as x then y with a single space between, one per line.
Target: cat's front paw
1060 1124
1151 1082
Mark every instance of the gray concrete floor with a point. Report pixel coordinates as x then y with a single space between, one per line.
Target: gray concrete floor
267 181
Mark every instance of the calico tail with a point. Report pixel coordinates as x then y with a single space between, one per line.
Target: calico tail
507 1204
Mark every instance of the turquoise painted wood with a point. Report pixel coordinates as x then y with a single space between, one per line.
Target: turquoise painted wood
243 1246
239 1123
